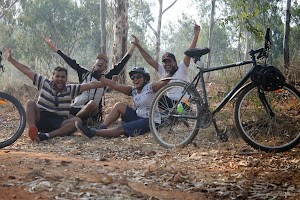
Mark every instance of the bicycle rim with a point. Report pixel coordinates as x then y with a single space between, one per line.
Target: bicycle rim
177 128
271 134
12 119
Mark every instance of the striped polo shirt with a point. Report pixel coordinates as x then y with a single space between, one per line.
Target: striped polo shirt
49 100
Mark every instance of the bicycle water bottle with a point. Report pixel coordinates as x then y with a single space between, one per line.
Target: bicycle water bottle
180 108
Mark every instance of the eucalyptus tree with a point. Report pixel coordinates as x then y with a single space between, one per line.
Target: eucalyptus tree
138 25
71 24
254 17
286 54
157 31
211 28
6 6
102 26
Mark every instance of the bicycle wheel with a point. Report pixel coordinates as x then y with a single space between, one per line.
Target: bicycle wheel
270 132
178 126
12 119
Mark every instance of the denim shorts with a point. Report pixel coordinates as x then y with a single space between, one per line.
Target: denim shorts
134 125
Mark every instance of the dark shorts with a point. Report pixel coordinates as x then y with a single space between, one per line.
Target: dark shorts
134 125
49 121
165 102
74 111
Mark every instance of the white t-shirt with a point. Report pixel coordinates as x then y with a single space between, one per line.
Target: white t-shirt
86 96
143 100
181 74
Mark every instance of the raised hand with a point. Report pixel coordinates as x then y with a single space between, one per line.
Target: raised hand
135 40
197 29
50 43
6 53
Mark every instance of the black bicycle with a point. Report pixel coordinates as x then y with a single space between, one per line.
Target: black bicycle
12 116
268 119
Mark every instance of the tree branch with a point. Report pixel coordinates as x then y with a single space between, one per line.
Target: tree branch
169 6
7 9
148 24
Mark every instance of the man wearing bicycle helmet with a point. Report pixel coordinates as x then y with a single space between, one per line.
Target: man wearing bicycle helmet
86 104
135 120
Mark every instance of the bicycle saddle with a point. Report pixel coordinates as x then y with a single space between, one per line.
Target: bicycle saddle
196 52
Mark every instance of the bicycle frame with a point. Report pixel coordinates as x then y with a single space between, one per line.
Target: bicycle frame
232 92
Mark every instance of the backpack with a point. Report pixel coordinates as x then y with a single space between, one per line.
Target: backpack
267 77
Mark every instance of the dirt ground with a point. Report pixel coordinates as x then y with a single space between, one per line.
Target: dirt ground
75 167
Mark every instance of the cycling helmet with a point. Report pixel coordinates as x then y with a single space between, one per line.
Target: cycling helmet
140 70
268 77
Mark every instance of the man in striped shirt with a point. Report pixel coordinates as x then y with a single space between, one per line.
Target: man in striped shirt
49 116
86 104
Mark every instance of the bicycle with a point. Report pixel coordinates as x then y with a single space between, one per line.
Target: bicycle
267 120
12 117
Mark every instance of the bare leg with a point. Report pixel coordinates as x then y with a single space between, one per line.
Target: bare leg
118 110
32 113
67 127
89 110
112 132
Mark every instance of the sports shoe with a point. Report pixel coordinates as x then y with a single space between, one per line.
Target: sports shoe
42 136
102 126
85 130
33 133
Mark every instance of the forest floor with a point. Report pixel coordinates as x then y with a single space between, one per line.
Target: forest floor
75 167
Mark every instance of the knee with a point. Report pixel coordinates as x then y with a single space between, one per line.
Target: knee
120 105
92 103
30 104
76 119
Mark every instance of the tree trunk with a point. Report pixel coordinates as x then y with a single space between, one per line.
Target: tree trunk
286 56
211 28
120 32
5 10
102 27
158 32
247 49
210 34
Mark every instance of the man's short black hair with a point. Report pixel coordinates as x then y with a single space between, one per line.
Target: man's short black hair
59 69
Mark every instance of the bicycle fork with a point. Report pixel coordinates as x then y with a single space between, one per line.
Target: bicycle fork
265 103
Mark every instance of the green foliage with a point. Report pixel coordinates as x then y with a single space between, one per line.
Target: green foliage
74 26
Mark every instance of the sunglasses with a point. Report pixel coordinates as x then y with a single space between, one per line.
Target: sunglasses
137 76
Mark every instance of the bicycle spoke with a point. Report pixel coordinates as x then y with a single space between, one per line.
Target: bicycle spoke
178 127
278 130
12 119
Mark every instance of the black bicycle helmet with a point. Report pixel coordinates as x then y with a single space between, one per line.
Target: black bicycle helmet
140 70
269 78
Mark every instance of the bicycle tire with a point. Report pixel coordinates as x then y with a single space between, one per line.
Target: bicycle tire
176 129
261 131
12 119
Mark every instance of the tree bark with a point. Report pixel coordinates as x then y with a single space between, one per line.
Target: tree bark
102 27
120 32
211 28
286 56
7 9
210 34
